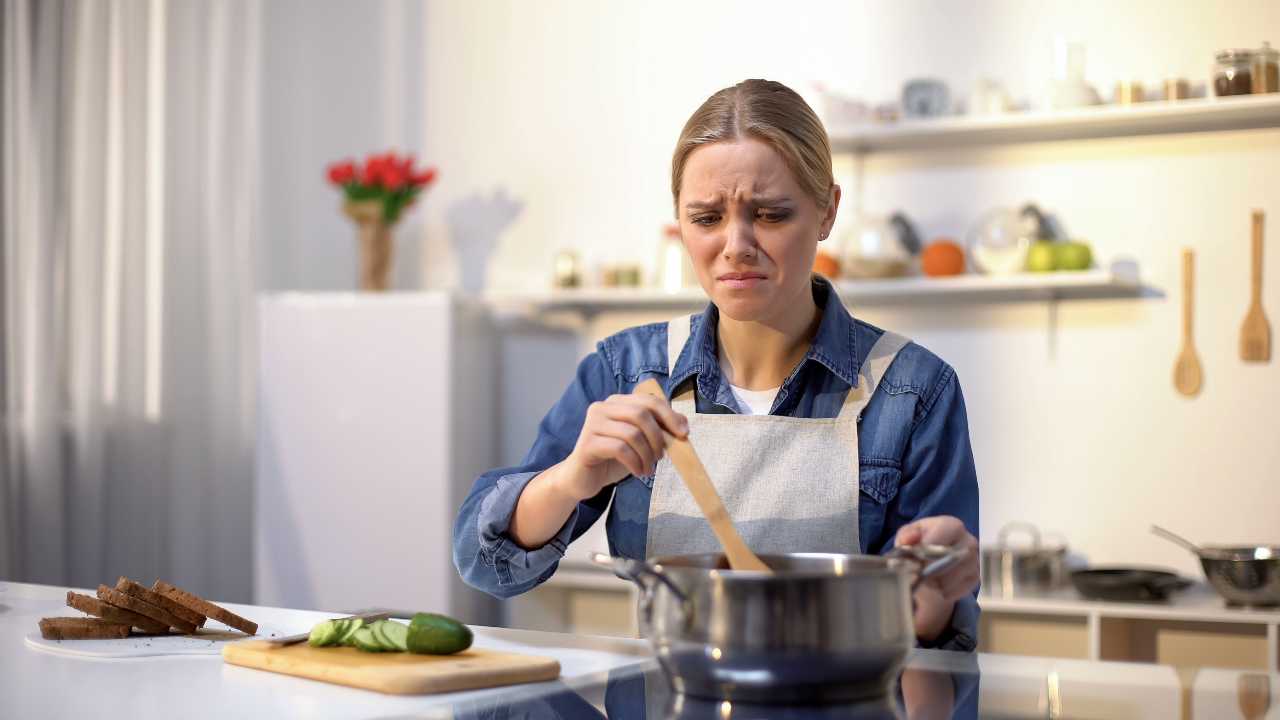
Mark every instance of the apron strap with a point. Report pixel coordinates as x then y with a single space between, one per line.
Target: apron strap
678 331
873 369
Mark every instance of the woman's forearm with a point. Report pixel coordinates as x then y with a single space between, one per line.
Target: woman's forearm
543 507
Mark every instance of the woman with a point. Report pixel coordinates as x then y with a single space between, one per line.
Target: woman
822 433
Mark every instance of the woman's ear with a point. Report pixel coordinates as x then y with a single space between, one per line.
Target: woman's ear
829 218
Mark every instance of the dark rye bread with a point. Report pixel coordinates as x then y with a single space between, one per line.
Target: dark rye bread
129 602
113 614
81 628
204 607
146 594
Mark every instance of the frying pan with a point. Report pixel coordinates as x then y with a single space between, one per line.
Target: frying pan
1127 584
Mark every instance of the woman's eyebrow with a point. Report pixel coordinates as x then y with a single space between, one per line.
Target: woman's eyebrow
709 205
766 201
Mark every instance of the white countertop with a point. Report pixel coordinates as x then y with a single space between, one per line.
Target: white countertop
38 684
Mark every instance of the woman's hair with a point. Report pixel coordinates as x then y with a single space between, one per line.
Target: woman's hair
772 113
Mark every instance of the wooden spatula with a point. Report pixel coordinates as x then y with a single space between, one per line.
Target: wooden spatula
1255 334
704 493
1186 371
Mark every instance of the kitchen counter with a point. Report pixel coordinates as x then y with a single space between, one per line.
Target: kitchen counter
601 677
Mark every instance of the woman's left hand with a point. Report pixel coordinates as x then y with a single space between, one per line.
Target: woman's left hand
936 596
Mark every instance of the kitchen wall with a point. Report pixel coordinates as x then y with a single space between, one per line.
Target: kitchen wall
570 110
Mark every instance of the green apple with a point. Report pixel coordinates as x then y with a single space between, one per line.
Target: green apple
1073 255
1041 256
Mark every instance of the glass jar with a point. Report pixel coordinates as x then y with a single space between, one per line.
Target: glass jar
1266 69
1233 73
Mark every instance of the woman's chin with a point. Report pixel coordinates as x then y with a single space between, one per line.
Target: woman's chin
743 307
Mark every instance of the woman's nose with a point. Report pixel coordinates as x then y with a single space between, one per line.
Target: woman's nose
740 241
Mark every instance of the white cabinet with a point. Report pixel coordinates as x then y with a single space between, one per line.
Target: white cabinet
376 413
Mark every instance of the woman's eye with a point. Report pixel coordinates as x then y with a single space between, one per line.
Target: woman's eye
774 216
705 219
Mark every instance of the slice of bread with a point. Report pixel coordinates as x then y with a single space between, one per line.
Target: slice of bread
81 628
146 594
113 614
204 607
129 602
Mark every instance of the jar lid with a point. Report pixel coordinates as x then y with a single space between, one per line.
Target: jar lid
1266 52
1234 55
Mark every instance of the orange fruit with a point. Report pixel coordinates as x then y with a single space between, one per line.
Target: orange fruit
826 265
943 257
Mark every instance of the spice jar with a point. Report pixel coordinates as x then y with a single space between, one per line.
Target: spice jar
1266 69
1233 73
568 272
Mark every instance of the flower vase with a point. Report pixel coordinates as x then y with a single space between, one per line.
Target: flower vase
375 243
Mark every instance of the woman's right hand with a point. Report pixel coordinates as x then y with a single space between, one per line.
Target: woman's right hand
622 435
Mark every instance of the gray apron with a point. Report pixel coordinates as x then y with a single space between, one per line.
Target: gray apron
790 484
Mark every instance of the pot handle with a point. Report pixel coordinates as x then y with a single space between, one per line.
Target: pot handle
636 571
1002 539
929 559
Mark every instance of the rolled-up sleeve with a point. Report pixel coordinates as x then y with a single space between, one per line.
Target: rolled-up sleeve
939 478
485 554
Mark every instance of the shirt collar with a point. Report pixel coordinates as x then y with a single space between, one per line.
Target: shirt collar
835 347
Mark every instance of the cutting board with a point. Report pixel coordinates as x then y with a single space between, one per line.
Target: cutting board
395 673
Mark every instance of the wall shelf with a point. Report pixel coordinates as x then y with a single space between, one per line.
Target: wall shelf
1107 121
1109 628
1091 284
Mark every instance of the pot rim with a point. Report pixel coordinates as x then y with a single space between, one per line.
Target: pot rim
1242 553
863 566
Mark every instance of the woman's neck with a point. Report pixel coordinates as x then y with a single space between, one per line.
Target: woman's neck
760 354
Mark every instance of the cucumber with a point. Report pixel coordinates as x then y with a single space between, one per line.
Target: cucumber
432 634
379 637
349 630
323 634
364 640
397 634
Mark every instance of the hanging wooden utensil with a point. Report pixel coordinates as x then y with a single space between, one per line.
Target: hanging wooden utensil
1187 375
1255 334
704 493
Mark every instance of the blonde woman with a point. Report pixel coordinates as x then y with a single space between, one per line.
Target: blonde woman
823 433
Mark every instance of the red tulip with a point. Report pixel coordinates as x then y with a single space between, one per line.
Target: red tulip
424 178
342 173
393 178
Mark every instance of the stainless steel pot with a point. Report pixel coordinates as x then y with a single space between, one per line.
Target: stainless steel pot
820 628
1009 571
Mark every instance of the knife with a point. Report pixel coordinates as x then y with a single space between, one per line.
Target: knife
368 615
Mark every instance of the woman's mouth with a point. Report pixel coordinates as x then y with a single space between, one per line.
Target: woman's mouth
741 280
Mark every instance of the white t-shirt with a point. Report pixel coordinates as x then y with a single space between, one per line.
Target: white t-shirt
754 402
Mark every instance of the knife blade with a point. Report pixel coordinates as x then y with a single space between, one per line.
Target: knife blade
370 615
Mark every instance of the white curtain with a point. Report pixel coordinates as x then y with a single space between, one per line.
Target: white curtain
127 277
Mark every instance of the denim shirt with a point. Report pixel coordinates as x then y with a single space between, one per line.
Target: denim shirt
915 459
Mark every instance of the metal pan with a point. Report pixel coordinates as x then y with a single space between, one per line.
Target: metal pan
1242 575
1127 584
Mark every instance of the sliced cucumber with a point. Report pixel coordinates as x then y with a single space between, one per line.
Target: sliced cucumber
379 636
323 634
349 631
397 634
364 640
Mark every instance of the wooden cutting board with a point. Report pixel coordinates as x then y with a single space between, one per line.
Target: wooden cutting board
395 673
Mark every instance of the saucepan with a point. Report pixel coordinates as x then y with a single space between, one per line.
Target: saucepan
1242 575
820 628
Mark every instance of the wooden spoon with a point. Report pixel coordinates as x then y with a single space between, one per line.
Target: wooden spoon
1254 694
704 493
1186 371
1255 334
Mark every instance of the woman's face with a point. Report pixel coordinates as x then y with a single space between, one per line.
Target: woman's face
751 230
